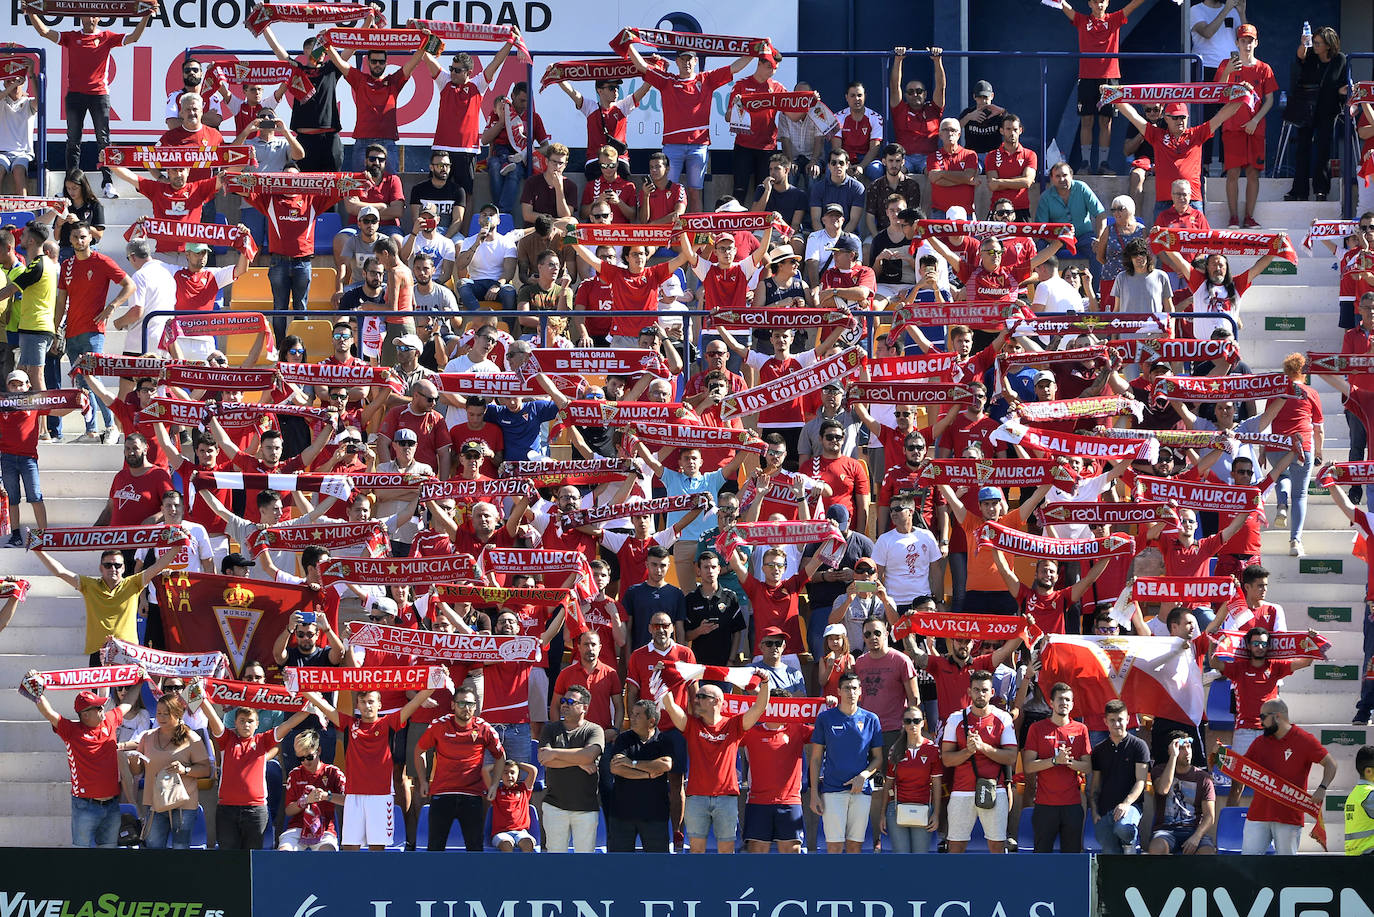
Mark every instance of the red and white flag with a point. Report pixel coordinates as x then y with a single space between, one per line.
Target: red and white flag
741 676
1153 675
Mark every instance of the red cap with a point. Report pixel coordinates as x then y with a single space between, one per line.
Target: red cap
773 631
88 699
1247 31
1176 110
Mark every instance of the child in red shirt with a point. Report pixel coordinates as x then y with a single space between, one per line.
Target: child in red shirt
510 806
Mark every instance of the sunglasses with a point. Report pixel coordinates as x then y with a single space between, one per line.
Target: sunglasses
774 566
342 336
912 720
873 633
834 437
376 159
112 566
773 643
915 448
297 350
310 757
465 703
573 701
702 695
1004 213
378 619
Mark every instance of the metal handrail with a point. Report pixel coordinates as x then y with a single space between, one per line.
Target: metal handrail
1350 150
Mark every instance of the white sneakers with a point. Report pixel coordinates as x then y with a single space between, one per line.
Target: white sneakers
108 189
1295 548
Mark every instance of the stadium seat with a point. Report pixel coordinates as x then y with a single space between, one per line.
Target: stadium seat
1219 715
1025 834
16 219
327 226
252 290
198 836
489 844
317 333
322 280
276 790
505 223
1231 830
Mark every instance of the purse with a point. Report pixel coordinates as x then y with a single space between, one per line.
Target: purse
913 814
169 792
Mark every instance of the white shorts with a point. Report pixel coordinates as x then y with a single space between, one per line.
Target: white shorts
845 816
368 820
291 840
962 813
10 161
539 694
513 838
892 290
1241 739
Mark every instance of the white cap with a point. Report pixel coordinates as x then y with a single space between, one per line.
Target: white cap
17 375
956 213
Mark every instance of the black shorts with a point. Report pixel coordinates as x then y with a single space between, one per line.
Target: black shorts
1090 97
399 738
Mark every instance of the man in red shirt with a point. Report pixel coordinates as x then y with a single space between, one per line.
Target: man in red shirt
193 131
1242 137
434 444
756 146
649 665
634 288
1288 752
861 131
92 751
846 283
847 477
1098 33
953 172
136 491
916 116
1011 167
84 282
661 200
374 99
1182 215
87 61
978 746
382 191
610 189
458 128
456 785
176 198
713 741
1046 605
774 600
599 678
369 806
951 670
1057 751
1178 151
19 458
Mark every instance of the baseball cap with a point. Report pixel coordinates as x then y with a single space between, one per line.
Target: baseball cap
17 376
956 213
834 630
1176 110
1247 31
197 247
267 113
990 493
773 631
982 88
405 435
383 606
602 84
832 386
845 243
430 207
866 561
473 445
410 340
236 560
723 237
1044 376
838 513
833 208
368 211
87 699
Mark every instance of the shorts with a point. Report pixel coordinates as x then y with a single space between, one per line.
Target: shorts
18 471
706 813
962 813
1241 739
11 161
687 161
1241 150
1090 97
33 347
291 840
846 816
1175 837
368 820
513 837
769 823
539 694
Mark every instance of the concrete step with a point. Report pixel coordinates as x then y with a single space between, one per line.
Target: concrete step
1276 214
87 457
1335 706
1340 677
1270 189
51 830
74 510
17 766
36 796
32 734
36 641
1317 542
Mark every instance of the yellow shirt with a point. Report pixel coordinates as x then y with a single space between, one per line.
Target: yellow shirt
110 612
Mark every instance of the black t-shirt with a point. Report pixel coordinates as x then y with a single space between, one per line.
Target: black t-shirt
92 212
721 608
982 136
787 202
890 271
641 800
321 110
1116 764
354 297
446 198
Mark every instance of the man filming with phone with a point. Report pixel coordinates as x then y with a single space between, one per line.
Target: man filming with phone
316 644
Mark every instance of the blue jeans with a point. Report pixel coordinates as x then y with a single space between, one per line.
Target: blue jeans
904 839
357 154
91 342
688 158
472 292
505 189
1293 492
170 830
515 739
95 824
290 280
1118 836
17 471
1365 704
256 223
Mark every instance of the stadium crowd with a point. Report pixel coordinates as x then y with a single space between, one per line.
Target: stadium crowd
815 571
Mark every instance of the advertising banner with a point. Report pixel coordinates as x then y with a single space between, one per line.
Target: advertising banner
1261 886
99 882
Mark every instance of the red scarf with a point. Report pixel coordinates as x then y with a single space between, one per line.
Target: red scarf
793 385
737 221
1096 355
1346 473
1079 408
994 229
908 393
1010 541
218 378
1188 93
1265 783
258 73
687 436
493 596
253 695
1189 439
1340 364
617 467
325 534
601 68
256 409
1223 388
53 399
280 183
218 323
300 679
125 367
1283 645
500 385
1055 443
775 317
480 491
651 235
1362 92
393 41
779 710
714 45
172 233
601 413
988 316
264 14
399 571
606 361
13 68
104 676
32 204
333 373
798 531
508 561
103 9
795 102
1098 513
161 662
473 31
960 626
1330 229
104 537
1115 323
1189 590
1198 495
920 366
428 644
677 504
15 588
163 157
194 414
1191 243
1174 350
996 473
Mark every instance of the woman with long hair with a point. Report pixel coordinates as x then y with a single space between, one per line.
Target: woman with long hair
83 206
1300 417
295 431
174 749
1142 287
914 775
837 660
1320 83
1215 288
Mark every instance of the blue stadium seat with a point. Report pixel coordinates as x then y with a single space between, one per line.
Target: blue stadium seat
505 223
198 837
489 844
1231 830
276 789
17 220
327 226
1025 834
1219 715
422 828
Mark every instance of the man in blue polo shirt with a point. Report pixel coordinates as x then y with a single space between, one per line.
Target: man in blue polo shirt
846 754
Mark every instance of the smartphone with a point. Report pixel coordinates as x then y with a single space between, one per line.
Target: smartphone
863 586
307 617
